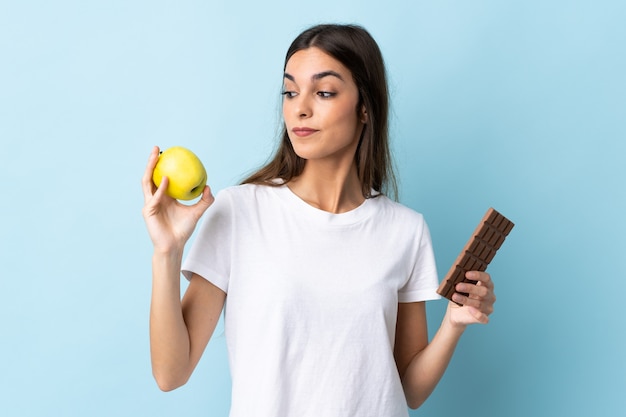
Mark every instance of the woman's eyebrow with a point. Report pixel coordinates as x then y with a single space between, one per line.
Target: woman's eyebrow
329 73
317 76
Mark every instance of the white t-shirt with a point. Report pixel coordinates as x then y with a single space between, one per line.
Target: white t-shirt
312 299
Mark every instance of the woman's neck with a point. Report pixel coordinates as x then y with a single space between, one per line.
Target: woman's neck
327 188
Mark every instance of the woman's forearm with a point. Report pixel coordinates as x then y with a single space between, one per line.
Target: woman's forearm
428 366
169 337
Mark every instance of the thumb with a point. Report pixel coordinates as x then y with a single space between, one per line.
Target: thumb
205 201
207 195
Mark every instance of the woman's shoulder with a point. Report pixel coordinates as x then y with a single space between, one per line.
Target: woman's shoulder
398 210
244 192
398 217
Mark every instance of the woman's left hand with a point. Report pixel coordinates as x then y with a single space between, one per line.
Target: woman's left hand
477 305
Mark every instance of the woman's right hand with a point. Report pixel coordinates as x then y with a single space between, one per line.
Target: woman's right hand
170 223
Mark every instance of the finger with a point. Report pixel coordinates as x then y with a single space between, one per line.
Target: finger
483 278
473 290
146 181
478 306
460 298
160 191
152 203
480 293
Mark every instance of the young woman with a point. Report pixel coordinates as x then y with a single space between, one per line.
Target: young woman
321 276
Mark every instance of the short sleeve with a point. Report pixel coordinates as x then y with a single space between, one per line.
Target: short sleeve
210 253
423 282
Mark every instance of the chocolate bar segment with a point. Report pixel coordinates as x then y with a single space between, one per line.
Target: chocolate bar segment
478 252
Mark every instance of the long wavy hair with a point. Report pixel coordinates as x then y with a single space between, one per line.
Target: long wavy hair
355 48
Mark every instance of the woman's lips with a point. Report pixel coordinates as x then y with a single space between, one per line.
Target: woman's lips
303 131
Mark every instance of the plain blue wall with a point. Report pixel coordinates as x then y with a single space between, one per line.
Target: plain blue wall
516 105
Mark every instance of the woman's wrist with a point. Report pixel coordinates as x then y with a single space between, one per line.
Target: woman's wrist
167 263
453 326
172 252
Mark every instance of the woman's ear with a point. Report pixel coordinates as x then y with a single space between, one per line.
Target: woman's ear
363 115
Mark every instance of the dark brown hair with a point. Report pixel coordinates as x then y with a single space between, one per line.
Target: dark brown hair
355 48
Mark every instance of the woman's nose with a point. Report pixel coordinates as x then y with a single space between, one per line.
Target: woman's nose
303 107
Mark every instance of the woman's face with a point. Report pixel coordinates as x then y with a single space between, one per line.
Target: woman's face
320 107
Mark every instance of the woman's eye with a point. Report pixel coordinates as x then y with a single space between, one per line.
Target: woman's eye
289 94
325 94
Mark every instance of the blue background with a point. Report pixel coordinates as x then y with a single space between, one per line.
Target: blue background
516 105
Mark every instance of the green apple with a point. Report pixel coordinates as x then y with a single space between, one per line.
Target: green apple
186 174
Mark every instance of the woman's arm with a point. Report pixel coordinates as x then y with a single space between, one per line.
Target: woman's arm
421 364
179 331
